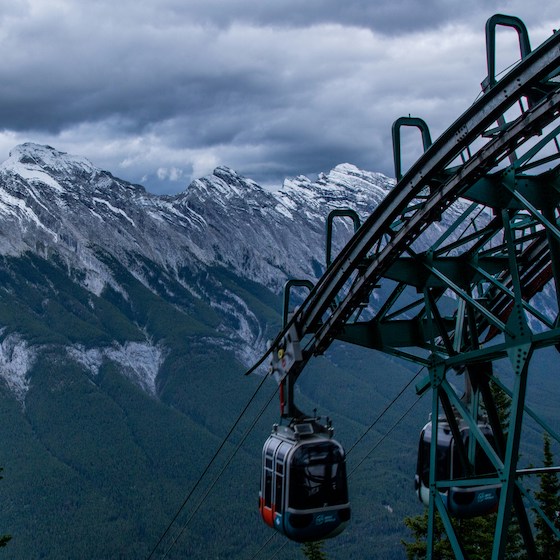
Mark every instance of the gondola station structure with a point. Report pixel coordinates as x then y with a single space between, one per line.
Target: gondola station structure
453 300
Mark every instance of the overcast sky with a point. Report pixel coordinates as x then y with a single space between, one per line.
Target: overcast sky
159 92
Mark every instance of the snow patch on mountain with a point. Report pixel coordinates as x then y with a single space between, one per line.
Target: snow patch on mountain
37 175
139 361
16 359
90 358
114 210
13 206
29 157
246 332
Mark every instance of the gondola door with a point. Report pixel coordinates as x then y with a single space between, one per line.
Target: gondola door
272 494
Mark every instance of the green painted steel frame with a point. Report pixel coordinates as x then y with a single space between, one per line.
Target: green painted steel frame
339 213
513 195
498 254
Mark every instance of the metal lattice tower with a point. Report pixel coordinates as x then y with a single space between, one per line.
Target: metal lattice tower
457 299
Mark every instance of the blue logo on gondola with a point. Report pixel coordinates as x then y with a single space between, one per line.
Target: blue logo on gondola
322 519
485 496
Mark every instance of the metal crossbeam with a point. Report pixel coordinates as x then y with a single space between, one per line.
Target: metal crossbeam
461 297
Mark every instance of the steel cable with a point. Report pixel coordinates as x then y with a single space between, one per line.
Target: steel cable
209 465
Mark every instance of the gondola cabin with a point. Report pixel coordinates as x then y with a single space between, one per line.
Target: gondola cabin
461 501
304 493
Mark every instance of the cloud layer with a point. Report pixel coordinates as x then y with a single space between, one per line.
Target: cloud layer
161 91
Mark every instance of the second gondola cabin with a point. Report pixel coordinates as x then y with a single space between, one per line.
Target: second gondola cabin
461 501
304 492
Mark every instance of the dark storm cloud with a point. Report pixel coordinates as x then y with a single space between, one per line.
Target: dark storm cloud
162 91
387 17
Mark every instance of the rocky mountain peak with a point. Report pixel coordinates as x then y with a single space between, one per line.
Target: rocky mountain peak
30 156
232 178
61 203
223 184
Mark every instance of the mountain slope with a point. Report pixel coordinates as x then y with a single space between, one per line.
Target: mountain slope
126 323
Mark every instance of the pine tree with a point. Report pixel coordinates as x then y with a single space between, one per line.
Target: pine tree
548 546
476 535
4 539
416 549
314 550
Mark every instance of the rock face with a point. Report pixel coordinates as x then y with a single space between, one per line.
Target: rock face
51 201
61 209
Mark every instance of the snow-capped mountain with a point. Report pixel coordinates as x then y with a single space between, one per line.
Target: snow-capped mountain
60 208
52 201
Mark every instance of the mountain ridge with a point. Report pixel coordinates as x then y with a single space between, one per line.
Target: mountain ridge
75 183
56 205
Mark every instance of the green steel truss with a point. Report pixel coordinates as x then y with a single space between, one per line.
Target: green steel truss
457 299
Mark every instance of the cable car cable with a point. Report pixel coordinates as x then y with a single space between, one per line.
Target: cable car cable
219 475
272 536
385 436
207 468
385 410
279 550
